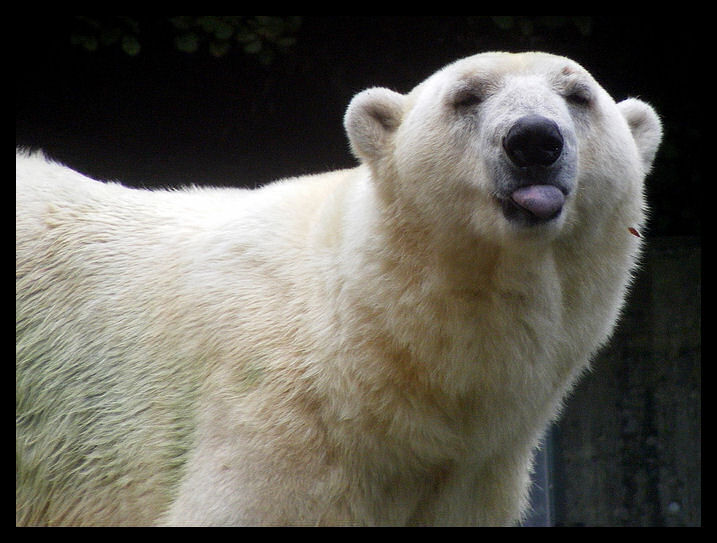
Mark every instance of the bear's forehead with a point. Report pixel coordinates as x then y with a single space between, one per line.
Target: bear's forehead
494 68
498 65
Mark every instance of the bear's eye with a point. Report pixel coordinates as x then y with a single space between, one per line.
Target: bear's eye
467 99
579 95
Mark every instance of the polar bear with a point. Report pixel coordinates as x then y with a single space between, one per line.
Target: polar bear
382 345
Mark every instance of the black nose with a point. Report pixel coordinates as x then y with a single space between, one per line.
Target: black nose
533 141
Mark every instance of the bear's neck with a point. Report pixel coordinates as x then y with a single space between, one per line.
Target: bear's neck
417 291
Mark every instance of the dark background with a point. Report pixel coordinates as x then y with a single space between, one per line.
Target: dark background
241 100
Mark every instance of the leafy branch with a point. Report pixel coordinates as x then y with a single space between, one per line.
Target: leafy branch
260 35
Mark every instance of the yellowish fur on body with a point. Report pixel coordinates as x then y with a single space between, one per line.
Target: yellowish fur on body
317 351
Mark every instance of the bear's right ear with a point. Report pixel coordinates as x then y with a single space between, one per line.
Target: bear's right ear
371 118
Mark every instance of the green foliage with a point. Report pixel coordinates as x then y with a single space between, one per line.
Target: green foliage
258 35
529 25
261 36
91 33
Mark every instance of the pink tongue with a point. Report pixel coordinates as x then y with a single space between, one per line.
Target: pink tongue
543 201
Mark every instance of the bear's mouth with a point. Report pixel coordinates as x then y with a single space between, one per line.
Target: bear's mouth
537 168
544 202
534 204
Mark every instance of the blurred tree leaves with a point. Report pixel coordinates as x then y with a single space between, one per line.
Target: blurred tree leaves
529 25
261 36
93 32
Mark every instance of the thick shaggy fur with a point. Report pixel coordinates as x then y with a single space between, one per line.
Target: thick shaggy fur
380 345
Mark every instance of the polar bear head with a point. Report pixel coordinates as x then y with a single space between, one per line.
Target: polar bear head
509 144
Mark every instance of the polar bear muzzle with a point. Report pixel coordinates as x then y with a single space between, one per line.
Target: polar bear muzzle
535 142
539 173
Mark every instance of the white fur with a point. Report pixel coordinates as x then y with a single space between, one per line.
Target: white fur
370 346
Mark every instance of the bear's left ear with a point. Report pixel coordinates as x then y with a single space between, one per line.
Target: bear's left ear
371 118
645 127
